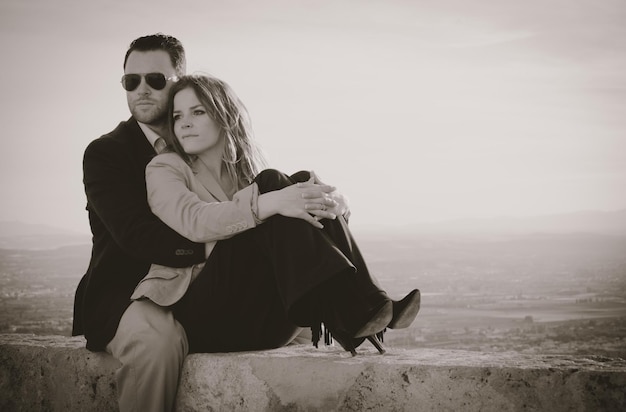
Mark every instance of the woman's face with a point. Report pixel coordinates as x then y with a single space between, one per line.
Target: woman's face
193 127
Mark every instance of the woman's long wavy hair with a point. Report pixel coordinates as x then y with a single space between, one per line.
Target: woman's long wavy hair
242 157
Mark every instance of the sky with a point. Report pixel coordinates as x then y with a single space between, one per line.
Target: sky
418 111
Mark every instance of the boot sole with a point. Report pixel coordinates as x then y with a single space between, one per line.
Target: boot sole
378 322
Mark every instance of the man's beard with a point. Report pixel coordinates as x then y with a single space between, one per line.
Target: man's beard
152 117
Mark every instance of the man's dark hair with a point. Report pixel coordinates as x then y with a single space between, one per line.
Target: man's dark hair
164 42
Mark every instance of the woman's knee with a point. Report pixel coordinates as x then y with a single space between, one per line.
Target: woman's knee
272 179
301 176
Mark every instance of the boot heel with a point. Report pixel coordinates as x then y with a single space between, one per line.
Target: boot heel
348 344
379 346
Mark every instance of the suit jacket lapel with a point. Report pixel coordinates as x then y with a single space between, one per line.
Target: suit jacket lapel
208 181
143 147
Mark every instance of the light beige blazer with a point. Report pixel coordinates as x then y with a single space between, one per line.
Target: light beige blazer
190 201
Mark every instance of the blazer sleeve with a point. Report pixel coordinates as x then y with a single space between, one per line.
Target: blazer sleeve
115 192
168 180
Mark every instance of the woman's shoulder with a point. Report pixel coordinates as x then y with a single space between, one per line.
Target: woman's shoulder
168 158
168 163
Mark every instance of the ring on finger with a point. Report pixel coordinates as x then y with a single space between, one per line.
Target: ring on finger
323 206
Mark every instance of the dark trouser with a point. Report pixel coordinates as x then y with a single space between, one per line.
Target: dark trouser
245 297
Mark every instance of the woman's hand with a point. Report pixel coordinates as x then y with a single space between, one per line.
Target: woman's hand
308 201
341 208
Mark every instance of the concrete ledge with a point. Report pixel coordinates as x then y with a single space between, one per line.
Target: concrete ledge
55 373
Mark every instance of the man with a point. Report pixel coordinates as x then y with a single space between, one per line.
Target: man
127 238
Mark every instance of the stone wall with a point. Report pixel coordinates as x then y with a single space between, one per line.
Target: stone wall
55 373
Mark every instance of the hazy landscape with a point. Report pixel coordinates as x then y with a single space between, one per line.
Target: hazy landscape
494 285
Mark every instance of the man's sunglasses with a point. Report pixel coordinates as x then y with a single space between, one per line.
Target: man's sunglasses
155 80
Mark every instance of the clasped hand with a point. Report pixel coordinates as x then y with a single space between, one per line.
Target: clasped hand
310 201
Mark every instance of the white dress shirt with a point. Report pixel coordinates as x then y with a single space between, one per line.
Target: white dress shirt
151 135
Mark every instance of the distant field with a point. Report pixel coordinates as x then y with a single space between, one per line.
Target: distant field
536 294
541 294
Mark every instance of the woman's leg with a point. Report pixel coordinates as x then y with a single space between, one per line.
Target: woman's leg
233 304
326 251
250 282
343 293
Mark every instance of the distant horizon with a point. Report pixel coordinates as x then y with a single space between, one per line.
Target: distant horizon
366 226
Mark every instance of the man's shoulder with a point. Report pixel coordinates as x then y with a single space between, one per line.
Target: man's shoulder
119 136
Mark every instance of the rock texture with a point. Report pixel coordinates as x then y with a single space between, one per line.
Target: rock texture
54 373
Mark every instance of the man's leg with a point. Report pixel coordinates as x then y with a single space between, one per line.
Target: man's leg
151 345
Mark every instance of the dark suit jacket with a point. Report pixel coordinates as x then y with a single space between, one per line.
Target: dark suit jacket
127 237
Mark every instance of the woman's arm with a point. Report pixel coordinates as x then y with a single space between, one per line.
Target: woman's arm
168 181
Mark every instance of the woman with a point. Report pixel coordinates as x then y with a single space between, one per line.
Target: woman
278 255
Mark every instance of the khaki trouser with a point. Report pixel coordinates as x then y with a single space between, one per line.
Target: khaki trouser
151 345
